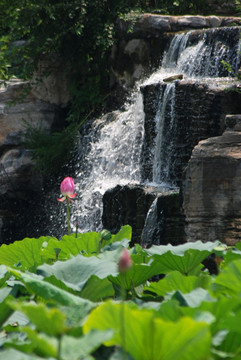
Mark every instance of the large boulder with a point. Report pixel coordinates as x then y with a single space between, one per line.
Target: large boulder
211 189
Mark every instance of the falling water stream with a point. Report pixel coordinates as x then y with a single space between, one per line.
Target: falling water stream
110 147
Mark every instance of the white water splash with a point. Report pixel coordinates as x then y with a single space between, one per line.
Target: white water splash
114 158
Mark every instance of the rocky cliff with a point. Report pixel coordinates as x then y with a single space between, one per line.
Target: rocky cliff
211 189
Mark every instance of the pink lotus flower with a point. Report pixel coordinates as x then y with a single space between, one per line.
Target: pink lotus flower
67 189
125 261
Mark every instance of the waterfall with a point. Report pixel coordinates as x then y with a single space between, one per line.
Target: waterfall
110 155
164 116
110 148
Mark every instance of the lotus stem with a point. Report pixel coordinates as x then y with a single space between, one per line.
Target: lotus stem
68 217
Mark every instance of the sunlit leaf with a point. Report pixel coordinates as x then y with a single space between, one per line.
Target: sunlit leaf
193 298
136 275
228 280
11 354
75 272
174 281
48 291
97 289
147 336
87 243
5 309
50 321
25 253
183 258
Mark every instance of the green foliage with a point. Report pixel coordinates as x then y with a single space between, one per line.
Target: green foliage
238 6
66 304
180 7
51 150
147 336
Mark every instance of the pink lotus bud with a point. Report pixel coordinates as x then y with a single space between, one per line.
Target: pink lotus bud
67 188
125 261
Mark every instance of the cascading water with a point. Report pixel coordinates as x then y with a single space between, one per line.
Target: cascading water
111 147
110 155
165 109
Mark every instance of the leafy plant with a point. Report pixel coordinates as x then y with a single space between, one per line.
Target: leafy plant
69 304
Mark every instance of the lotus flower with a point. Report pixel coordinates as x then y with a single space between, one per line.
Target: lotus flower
125 261
67 189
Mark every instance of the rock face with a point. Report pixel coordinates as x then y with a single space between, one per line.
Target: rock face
54 87
155 215
211 190
196 112
18 179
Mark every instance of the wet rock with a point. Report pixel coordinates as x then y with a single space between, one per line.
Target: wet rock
198 111
126 205
173 78
164 222
153 213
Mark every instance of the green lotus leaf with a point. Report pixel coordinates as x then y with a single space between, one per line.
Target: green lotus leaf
145 336
50 321
35 284
11 354
87 243
97 289
138 274
172 282
78 348
228 280
25 253
185 258
75 272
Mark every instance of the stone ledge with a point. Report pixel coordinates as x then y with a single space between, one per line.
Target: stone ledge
151 25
